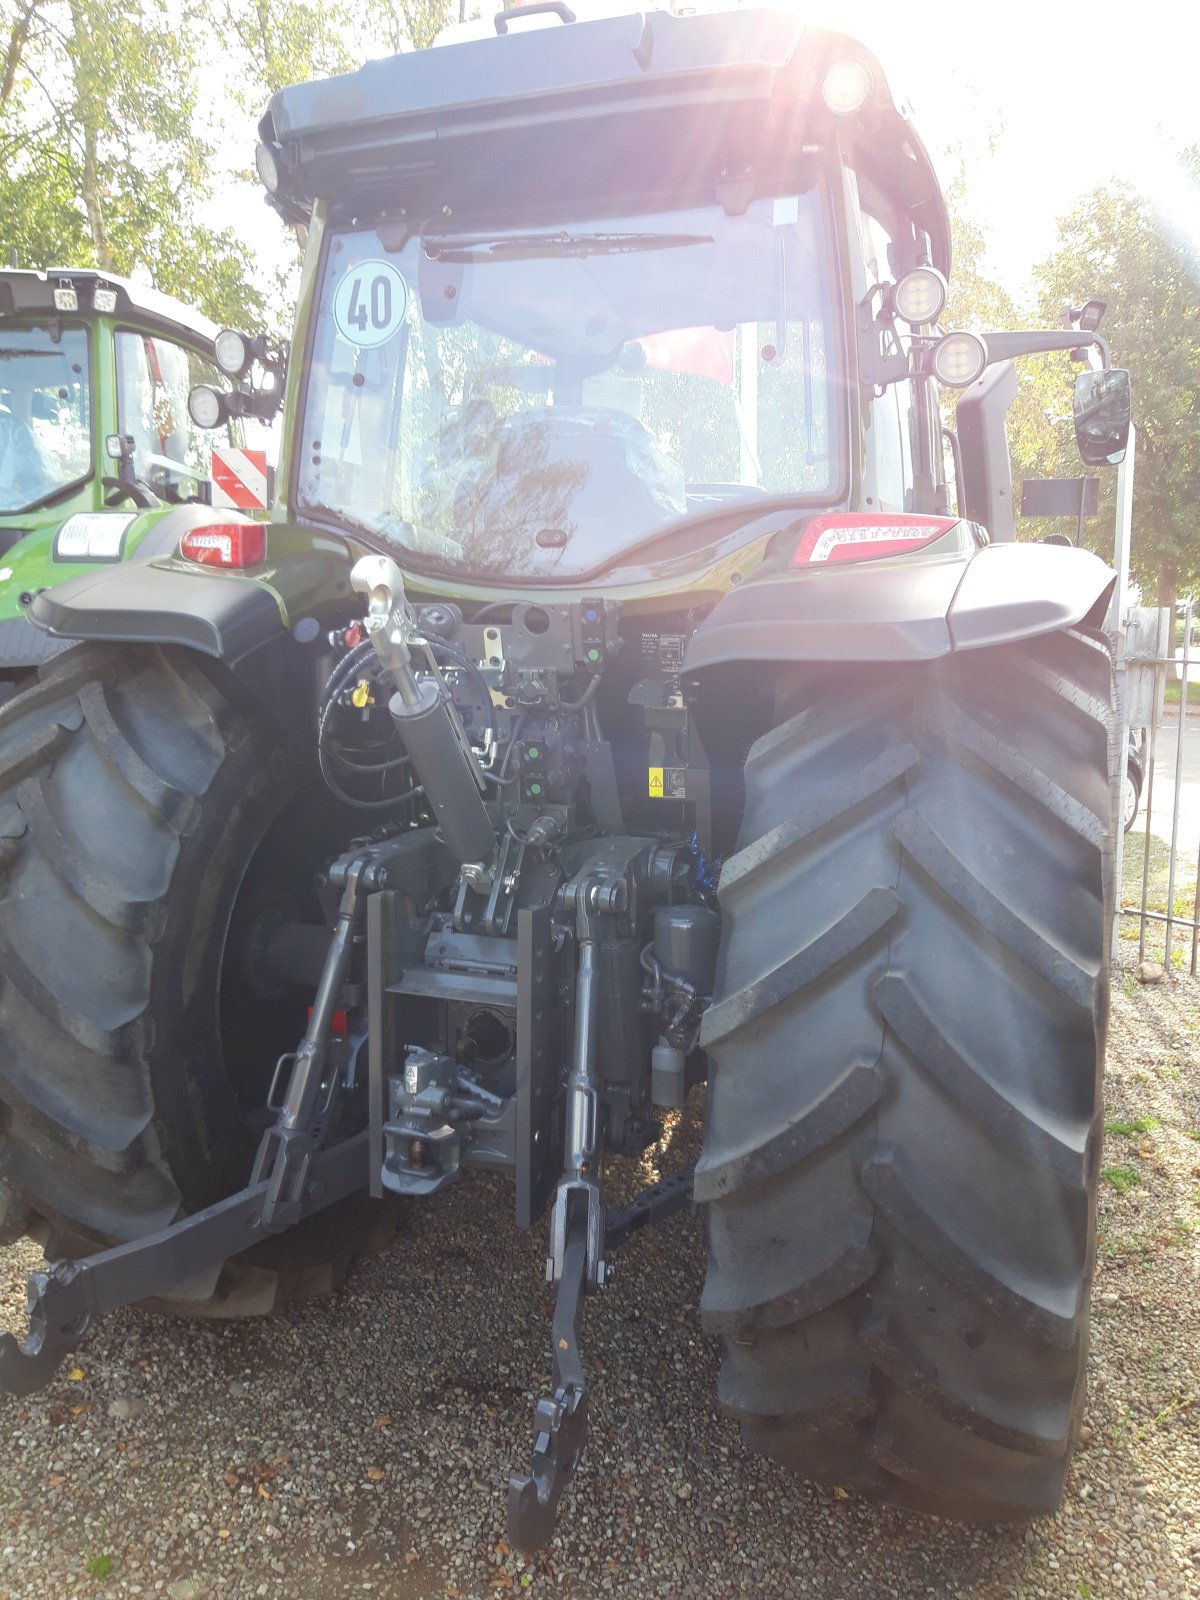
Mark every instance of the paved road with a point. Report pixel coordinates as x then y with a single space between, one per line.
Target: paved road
1164 784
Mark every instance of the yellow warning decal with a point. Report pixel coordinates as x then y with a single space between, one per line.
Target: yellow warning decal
668 783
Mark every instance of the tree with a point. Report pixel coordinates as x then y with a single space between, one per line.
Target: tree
412 24
979 302
274 43
281 42
1119 246
102 165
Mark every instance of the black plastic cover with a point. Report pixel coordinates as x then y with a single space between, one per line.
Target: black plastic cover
541 117
137 602
983 444
906 609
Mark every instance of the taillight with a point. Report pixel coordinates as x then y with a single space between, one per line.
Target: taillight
863 536
225 544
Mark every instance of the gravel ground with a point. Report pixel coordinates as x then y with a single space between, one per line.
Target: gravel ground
361 1445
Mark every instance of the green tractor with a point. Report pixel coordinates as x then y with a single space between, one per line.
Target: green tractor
634 685
99 458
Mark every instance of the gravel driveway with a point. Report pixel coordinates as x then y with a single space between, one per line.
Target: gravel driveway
360 1445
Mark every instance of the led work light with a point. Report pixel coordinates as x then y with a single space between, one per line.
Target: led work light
846 87
919 296
958 359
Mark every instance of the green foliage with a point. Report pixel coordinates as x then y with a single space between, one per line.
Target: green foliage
273 43
1122 1178
107 153
411 24
1138 1125
99 1566
104 166
1121 246
1041 433
976 300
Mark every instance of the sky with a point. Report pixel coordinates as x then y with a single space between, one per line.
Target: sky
1047 101
1071 96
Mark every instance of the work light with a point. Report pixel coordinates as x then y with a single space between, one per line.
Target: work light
846 87
232 351
207 407
958 359
919 296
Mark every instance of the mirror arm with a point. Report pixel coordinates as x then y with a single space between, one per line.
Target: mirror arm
951 438
1005 345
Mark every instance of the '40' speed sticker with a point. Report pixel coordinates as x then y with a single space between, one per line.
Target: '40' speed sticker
369 303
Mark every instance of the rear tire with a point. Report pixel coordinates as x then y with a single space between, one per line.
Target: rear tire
905 1049
142 799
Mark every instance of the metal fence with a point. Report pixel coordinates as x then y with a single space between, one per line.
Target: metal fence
1163 899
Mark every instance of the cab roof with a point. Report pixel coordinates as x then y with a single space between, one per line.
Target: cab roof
588 112
25 293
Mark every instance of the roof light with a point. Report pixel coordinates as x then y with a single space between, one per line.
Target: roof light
229 543
65 298
866 536
959 358
232 352
104 300
92 536
208 407
919 296
266 159
846 87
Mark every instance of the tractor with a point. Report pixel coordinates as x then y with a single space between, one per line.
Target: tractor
99 458
636 686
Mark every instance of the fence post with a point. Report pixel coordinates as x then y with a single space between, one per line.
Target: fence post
1116 631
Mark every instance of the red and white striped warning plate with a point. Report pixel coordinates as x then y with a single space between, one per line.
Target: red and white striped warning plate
239 478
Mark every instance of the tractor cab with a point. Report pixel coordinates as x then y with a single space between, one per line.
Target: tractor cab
534 356
97 447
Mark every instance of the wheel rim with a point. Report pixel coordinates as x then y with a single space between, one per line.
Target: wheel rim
1131 799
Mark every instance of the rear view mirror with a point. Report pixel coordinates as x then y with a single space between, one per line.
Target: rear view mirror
1102 416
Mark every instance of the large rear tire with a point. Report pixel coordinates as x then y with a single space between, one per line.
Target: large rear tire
905 1046
145 805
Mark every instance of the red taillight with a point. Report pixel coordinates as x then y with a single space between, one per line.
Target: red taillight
225 544
863 536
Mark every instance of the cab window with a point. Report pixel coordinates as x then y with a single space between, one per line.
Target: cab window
154 377
892 419
45 415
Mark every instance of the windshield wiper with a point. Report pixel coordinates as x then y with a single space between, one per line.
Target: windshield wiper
525 246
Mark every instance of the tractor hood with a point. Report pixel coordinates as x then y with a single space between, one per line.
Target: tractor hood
529 122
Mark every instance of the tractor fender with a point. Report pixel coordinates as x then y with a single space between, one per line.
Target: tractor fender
904 609
152 603
265 624
158 598
31 566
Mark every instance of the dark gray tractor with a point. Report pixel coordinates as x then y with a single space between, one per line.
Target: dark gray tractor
629 690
